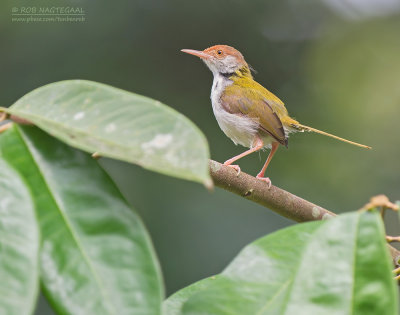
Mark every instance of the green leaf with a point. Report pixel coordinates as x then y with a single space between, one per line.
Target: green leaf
19 244
96 256
340 266
98 118
173 305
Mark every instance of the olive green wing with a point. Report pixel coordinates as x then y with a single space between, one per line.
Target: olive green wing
253 103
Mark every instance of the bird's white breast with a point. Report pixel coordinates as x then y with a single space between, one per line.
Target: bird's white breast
240 129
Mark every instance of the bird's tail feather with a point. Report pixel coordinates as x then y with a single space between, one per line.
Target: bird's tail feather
301 127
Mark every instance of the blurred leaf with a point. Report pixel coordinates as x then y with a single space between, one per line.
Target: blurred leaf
173 305
98 118
96 256
19 243
339 266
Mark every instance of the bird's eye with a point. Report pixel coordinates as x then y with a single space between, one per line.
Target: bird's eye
219 52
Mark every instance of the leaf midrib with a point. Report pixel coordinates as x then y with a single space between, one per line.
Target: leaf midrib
283 286
69 227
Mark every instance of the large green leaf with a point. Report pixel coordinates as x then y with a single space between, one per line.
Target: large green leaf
98 118
19 245
96 256
340 266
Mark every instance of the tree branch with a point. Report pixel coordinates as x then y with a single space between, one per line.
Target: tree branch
276 199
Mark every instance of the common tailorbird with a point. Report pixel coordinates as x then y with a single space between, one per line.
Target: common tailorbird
247 112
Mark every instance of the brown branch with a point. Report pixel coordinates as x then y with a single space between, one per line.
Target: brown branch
276 199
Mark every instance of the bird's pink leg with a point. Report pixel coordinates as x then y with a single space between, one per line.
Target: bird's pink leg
257 145
260 175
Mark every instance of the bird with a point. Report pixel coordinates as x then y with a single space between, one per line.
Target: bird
247 112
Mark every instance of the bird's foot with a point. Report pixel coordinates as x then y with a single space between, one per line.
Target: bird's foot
265 179
235 167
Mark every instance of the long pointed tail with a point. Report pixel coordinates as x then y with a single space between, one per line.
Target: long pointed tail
301 127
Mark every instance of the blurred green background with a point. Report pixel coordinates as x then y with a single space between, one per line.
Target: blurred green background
335 64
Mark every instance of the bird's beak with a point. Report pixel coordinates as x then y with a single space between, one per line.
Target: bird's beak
197 53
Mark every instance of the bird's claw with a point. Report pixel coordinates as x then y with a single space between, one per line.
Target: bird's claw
265 179
236 168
